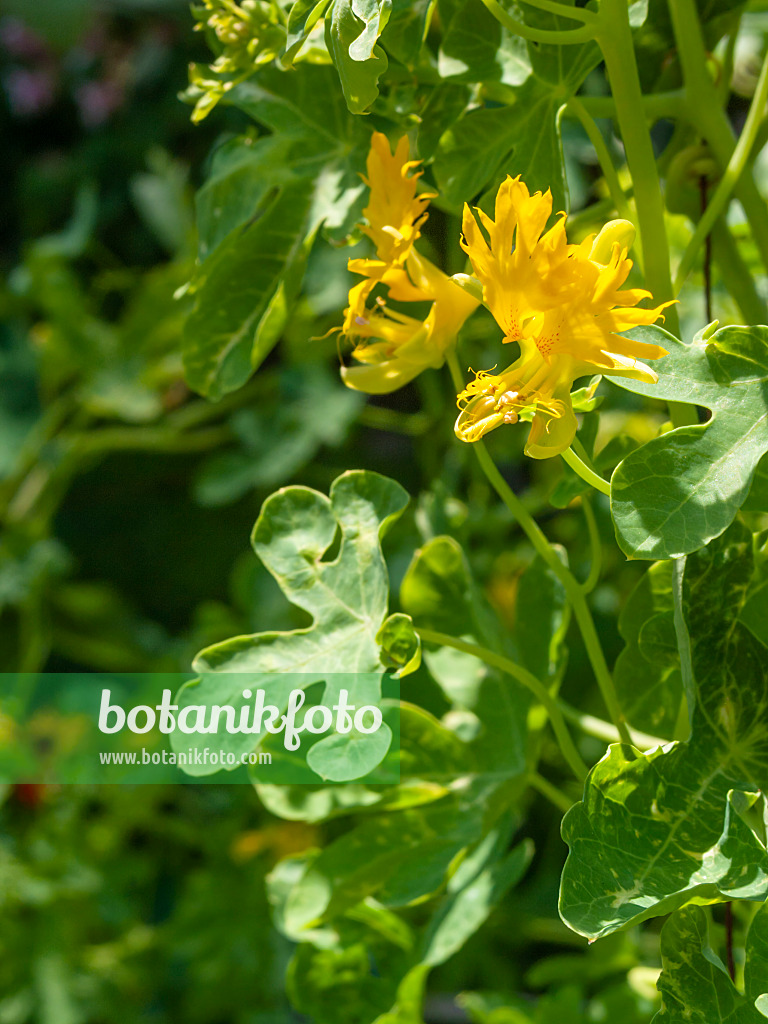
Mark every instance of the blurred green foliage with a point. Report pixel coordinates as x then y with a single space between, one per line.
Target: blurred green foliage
148 263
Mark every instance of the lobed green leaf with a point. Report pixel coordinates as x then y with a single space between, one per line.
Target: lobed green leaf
679 491
655 830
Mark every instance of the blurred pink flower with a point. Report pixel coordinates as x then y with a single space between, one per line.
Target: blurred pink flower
20 41
97 101
30 92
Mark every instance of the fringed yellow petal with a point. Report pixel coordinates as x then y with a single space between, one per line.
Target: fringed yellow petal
566 307
390 347
394 211
522 271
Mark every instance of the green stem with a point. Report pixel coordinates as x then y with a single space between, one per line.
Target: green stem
574 13
457 377
732 173
522 675
736 276
707 115
595 547
582 469
539 35
605 731
656 106
34 638
552 793
615 39
153 439
570 583
412 424
595 136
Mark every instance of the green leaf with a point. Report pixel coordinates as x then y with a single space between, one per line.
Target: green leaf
757 499
489 143
754 614
462 913
445 104
559 65
229 333
243 171
349 972
540 619
258 215
410 997
302 18
429 758
337 985
522 137
427 846
71 241
476 48
650 690
406 30
656 829
374 15
344 757
346 597
350 34
397 858
676 493
327 147
694 983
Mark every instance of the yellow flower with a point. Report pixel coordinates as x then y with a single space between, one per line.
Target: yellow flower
563 304
394 211
392 347
521 270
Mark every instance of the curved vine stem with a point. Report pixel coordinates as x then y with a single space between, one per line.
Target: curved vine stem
571 585
552 793
522 675
655 106
540 35
726 71
595 548
542 546
574 13
604 730
733 172
615 39
588 475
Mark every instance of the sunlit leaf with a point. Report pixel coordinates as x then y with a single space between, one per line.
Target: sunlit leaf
694 982
650 687
351 33
346 596
656 829
676 493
